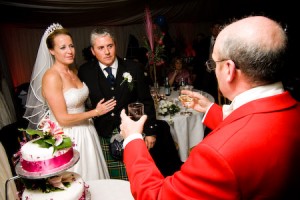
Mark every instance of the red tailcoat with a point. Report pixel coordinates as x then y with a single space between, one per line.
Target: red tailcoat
253 154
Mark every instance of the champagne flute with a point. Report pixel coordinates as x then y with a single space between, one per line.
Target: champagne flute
135 110
185 99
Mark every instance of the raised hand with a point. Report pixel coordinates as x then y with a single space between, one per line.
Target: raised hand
105 107
200 102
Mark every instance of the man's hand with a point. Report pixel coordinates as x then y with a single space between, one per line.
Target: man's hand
200 102
129 127
150 141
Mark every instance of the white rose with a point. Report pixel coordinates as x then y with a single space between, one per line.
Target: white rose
129 78
126 74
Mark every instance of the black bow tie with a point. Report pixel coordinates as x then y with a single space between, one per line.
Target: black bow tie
110 76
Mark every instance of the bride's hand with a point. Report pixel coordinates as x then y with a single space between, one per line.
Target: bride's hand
105 107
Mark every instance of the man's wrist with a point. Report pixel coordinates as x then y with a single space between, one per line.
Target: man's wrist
208 108
132 137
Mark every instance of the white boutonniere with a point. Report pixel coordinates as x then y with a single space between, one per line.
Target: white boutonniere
128 78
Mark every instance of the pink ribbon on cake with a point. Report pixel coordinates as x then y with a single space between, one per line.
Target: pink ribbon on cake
45 165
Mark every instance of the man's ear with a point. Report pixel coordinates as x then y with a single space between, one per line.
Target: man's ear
231 70
92 50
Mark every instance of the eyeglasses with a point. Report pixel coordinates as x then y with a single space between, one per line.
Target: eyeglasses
211 64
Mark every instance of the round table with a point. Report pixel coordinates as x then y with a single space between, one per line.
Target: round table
187 131
110 189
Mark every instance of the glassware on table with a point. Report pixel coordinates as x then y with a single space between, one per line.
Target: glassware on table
162 96
154 93
185 99
135 110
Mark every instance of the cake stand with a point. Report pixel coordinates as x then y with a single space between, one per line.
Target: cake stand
21 173
39 175
6 185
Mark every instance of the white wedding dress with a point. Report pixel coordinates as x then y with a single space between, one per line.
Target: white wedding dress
91 165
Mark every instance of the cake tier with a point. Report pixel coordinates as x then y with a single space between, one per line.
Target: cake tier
75 191
37 159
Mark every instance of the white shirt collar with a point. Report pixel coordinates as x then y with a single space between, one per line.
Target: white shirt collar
114 67
252 94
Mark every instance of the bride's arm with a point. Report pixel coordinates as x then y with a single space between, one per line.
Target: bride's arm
52 90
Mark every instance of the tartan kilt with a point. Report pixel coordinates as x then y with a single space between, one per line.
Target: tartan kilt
116 168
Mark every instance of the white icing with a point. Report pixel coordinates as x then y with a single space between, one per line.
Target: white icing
74 192
32 152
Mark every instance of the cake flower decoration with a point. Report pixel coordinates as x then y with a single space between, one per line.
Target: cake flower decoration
50 184
51 135
61 181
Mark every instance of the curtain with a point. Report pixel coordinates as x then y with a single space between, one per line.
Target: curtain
7 102
20 44
5 175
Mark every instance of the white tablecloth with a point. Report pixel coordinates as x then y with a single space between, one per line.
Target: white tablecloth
187 131
110 189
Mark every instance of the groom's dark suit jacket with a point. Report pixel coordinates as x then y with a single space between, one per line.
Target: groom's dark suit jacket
92 75
164 151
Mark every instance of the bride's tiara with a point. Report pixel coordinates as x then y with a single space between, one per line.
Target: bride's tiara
52 28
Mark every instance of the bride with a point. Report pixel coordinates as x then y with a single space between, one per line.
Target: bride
55 90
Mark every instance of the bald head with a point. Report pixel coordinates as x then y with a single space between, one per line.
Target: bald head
257 30
256 44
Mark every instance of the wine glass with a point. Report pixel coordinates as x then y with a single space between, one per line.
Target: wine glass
154 94
135 110
185 99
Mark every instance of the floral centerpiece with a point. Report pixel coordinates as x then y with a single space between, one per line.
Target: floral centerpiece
154 45
156 55
166 107
50 135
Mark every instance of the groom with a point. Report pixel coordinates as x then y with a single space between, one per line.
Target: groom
104 78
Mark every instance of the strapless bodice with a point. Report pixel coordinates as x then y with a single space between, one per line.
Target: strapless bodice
75 99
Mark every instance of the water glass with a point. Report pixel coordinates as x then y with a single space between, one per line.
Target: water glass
135 110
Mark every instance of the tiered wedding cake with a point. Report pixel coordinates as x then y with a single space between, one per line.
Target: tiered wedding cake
43 164
75 188
34 158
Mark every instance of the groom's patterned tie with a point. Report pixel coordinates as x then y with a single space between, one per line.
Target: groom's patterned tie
110 76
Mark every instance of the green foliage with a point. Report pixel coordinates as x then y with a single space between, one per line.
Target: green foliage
32 132
46 140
